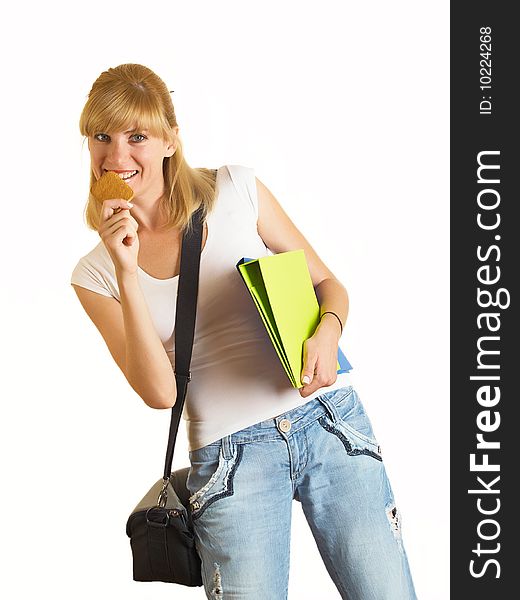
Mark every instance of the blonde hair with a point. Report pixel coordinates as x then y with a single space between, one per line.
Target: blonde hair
133 94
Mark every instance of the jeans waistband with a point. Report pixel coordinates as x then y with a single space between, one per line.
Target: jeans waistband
288 423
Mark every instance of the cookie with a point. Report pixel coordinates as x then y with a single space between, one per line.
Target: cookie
110 185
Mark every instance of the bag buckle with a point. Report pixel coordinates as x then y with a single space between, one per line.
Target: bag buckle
158 519
188 377
163 494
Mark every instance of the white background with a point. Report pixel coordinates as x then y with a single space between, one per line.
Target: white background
342 109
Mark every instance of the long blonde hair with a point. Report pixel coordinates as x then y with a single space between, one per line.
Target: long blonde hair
133 94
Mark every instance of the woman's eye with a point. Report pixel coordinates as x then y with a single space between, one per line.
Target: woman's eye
102 137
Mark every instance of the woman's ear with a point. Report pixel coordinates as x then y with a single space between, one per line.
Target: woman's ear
172 146
170 151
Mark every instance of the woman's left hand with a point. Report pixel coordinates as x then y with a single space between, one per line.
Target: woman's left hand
320 358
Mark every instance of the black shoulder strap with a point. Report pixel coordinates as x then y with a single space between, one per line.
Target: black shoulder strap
185 315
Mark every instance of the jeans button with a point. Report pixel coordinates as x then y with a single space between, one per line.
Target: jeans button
284 425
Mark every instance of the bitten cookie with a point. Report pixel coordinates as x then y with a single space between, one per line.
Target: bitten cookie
110 185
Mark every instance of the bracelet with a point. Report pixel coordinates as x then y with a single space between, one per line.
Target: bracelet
333 313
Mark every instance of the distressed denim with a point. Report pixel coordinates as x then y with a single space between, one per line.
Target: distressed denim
324 455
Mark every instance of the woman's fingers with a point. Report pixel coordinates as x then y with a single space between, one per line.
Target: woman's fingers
114 211
117 223
319 364
123 215
113 206
120 229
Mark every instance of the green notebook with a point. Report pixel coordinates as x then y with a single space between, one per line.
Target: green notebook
281 287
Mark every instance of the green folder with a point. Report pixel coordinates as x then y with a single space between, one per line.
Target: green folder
281 287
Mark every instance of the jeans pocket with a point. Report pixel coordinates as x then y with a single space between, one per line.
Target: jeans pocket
211 476
353 427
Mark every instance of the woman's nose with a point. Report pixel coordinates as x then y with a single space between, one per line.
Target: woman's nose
117 153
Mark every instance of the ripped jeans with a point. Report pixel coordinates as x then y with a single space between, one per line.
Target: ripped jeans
324 455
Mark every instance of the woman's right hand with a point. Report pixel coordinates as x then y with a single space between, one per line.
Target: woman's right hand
118 230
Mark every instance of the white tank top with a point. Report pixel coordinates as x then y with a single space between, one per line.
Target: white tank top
237 378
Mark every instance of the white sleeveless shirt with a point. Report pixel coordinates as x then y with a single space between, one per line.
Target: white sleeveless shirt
237 378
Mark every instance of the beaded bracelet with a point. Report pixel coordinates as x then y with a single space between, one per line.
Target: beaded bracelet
333 313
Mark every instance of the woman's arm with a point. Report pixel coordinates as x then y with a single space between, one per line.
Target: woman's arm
148 368
132 340
280 234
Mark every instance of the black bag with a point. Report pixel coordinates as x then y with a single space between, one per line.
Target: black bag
160 526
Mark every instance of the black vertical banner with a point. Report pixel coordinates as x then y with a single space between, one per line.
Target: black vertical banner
485 260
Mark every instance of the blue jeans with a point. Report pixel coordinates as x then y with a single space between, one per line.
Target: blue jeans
324 455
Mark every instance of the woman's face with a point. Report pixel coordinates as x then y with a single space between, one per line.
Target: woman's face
128 152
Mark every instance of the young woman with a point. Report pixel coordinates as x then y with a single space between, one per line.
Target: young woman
255 442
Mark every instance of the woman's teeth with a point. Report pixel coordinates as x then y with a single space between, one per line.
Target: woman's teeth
126 176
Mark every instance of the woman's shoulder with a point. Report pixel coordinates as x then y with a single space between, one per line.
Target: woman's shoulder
97 256
236 170
236 188
242 185
234 173
241 176
95 271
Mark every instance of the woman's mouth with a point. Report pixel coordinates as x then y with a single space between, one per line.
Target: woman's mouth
125 175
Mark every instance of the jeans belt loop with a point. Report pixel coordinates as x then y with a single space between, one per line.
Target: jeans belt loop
329 405
227 447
